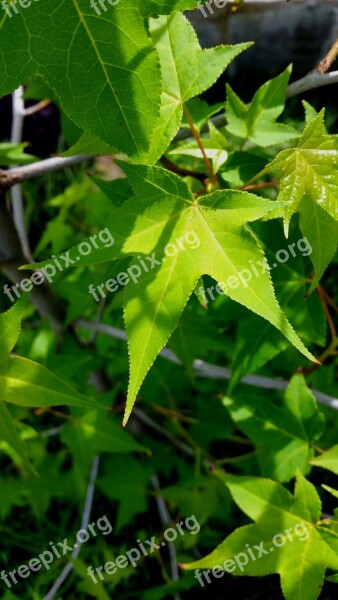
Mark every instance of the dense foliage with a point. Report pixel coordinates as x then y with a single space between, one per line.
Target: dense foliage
211 247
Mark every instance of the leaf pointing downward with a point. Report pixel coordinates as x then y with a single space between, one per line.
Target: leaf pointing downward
187 240
222 247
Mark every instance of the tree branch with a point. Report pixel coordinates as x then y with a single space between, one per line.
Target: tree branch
84 524
10 177
207 370
311 81
16 191
166 521
11 258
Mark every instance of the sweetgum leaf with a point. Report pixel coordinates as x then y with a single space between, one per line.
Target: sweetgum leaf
309 179
310 170
257 121
104 69
9 433
187 71
10 325
283 436
310 547
162 213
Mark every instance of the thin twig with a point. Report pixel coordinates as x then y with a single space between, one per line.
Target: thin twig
329 319
10 177
84 524
329 299
168 164
166 521
207 370
32 110
259 186
16 191
329 59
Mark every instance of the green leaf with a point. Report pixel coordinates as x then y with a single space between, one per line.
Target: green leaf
9 433
27 383
283 436
214 147
310 112
103 69
310 171
258 343
257 121
10 325
322 232
328 460
164 217
242 167
285 539
126 480
216 223
330 490
99 433
89 144
200 112
183 79
13 154
165 7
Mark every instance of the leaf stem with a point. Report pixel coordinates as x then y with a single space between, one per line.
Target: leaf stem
200 145
329 59
258 186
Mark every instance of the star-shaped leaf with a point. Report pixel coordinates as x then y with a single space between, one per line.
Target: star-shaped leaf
310 170
257 121
282 436
101 64
309 183
174 240
187 71
287 537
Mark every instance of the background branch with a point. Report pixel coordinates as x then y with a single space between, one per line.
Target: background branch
207 370
84 524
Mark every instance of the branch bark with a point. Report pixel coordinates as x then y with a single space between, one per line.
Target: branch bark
12 257
207 370
10 177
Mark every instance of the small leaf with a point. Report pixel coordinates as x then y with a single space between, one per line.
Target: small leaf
10 325
183 79
9 433
310 171
27 383
282 436
328 460
285 539
257 121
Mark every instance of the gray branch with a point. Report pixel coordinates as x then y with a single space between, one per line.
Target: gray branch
207 370
10 177
84 524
